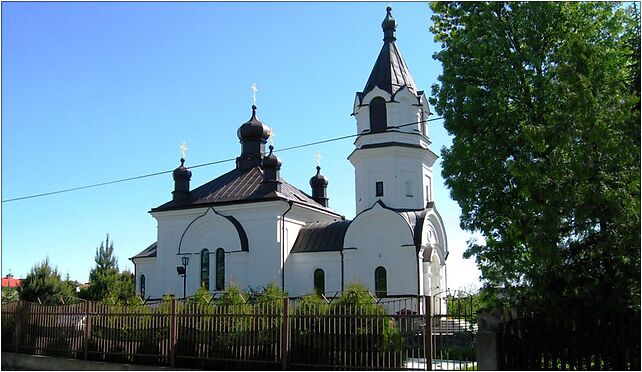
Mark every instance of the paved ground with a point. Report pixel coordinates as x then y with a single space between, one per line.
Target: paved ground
441 364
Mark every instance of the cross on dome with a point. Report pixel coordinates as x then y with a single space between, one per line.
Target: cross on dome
184 149
271 139
254 89
317 158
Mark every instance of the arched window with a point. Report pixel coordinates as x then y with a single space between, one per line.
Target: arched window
381 282
205 269
378 120
142 286
319 281
220 269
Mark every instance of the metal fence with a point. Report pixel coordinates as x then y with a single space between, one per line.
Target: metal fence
294 333
575 341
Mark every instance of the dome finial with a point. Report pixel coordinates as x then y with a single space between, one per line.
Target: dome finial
389 26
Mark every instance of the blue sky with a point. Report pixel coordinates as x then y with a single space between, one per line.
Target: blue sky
93 92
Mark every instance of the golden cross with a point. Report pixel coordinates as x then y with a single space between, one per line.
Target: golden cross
318 158
183 148
254 94
272 135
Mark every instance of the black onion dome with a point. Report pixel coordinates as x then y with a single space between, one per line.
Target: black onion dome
272 161
253 129
181 173
389 25
318 179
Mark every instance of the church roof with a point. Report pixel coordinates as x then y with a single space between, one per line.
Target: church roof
321 237
390 71
147 252
241 186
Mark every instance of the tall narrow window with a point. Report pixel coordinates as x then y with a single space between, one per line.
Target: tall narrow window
319 281
409 189
142 286
379 188
378 121
220 269
205 269
381 282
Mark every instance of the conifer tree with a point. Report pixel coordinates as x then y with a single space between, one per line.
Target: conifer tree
43 284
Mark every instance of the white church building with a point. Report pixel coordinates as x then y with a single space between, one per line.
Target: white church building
250 227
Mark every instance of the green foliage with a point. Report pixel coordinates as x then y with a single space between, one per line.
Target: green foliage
371 331
543 101
9 294
106 283
44 283
202 296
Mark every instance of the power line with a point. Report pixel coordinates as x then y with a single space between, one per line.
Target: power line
196 166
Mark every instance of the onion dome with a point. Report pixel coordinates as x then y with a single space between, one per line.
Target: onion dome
319 185
318 179
271 178
182 173
389 26
253 129
272 161
182 176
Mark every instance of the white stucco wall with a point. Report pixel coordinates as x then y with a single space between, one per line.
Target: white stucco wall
300 269
206 228
380 237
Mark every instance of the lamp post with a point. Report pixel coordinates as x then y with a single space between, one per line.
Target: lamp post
182 271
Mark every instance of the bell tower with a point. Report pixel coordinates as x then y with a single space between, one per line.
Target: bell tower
392 157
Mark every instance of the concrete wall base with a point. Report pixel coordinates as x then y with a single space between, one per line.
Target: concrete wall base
13 361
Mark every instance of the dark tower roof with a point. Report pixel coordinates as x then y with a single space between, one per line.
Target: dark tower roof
253 129
182 173
390 72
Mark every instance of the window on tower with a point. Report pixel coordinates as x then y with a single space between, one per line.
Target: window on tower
379 188
378 120
409 189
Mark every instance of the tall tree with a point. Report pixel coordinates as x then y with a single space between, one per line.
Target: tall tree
545 162
106 283
43 284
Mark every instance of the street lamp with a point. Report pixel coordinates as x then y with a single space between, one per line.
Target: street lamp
182 271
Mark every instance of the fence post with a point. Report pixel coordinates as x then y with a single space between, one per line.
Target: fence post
428 332
285 332
488 346
173 334
18 330
87 333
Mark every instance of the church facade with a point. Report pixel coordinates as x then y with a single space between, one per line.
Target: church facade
250 227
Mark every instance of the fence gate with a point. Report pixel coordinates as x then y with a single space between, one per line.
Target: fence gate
454 331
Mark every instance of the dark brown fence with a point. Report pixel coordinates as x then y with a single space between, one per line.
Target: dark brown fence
391 333
609 341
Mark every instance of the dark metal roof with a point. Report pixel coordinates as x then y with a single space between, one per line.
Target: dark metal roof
321 237
239 186
390 72
147 252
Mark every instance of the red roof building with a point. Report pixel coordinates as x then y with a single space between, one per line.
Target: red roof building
10 281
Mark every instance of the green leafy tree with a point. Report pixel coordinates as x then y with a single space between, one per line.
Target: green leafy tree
43 284
543 101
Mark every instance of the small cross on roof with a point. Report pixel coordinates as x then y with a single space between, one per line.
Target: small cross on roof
183 148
